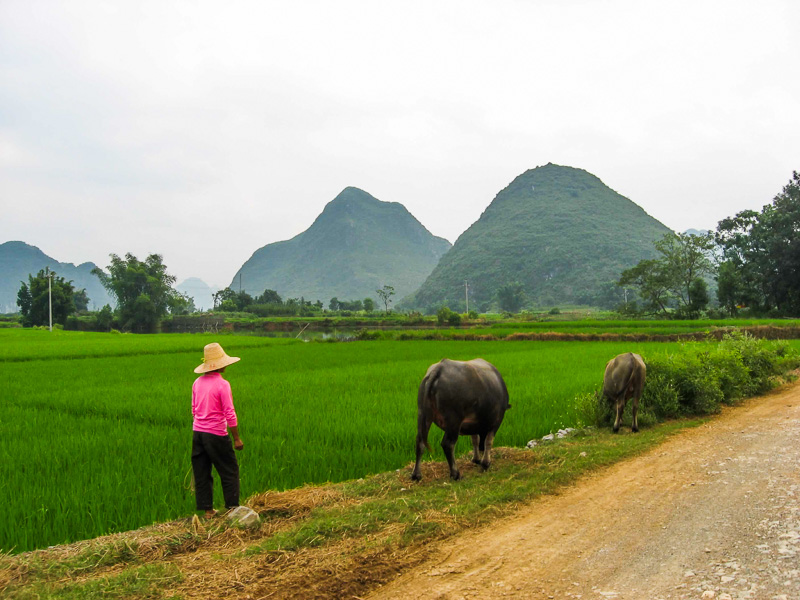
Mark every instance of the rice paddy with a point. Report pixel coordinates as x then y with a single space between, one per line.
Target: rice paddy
96 431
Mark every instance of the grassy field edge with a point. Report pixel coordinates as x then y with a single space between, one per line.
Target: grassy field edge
379 520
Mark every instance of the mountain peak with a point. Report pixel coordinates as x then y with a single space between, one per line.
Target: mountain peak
18 260
557 230
357 199
356 245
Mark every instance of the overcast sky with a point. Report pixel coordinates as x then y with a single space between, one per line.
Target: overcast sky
205 130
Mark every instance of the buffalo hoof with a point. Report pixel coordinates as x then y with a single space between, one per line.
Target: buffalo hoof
485 466
455 475
416 476
615 430
476 461
634 429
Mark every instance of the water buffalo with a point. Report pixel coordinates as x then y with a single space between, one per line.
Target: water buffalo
624 379
462 398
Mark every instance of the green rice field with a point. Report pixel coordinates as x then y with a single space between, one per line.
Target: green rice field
95 434
654 327
659 329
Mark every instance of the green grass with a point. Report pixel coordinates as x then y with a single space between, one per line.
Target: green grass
503 329
93 445
146 582
476 499
640 326
36 344
383 511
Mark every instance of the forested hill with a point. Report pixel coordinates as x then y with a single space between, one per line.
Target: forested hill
558 231
355 246
18 260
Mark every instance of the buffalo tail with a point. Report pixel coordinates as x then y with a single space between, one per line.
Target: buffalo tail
427 390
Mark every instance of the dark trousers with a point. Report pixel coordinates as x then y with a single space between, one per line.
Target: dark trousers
217 450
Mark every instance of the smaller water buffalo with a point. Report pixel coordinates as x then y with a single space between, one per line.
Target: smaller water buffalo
623 380
462 398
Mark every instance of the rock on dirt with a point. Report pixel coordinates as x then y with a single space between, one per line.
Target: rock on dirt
243 516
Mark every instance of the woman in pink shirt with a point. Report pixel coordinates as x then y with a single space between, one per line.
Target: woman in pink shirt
214 415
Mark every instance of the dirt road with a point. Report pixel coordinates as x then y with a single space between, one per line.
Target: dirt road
714 509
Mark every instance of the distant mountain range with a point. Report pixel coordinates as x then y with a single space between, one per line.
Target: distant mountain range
697 231
199 291
356 245
18 260
558 231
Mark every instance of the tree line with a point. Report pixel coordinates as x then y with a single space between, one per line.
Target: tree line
754 257
144 295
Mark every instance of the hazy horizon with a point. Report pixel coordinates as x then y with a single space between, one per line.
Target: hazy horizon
204 133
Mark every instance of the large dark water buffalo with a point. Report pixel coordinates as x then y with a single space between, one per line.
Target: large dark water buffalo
623 380
462 398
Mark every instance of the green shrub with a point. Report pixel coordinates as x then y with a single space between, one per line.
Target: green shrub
592 408
700 378
661 397
365 334
444 314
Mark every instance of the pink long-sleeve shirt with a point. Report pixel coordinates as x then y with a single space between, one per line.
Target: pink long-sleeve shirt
212 404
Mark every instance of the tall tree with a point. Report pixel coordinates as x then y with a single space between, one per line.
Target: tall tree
181 304
686 258
33 299
675 278
269 297
762 251
143 290
385 294
511 297
225 296
81 299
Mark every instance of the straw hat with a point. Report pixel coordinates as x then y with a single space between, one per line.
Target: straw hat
214 358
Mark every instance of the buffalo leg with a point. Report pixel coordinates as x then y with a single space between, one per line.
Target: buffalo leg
422 442
620 405
448 443
487 450
635 420
476 453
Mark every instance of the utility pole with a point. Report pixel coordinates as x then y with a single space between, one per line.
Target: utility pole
50 295
466 293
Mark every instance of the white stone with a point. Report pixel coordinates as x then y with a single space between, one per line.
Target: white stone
243 516
548 437
708 594
725 597
532 443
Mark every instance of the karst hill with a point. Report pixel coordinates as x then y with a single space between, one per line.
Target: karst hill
18 260
558 231
355 246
